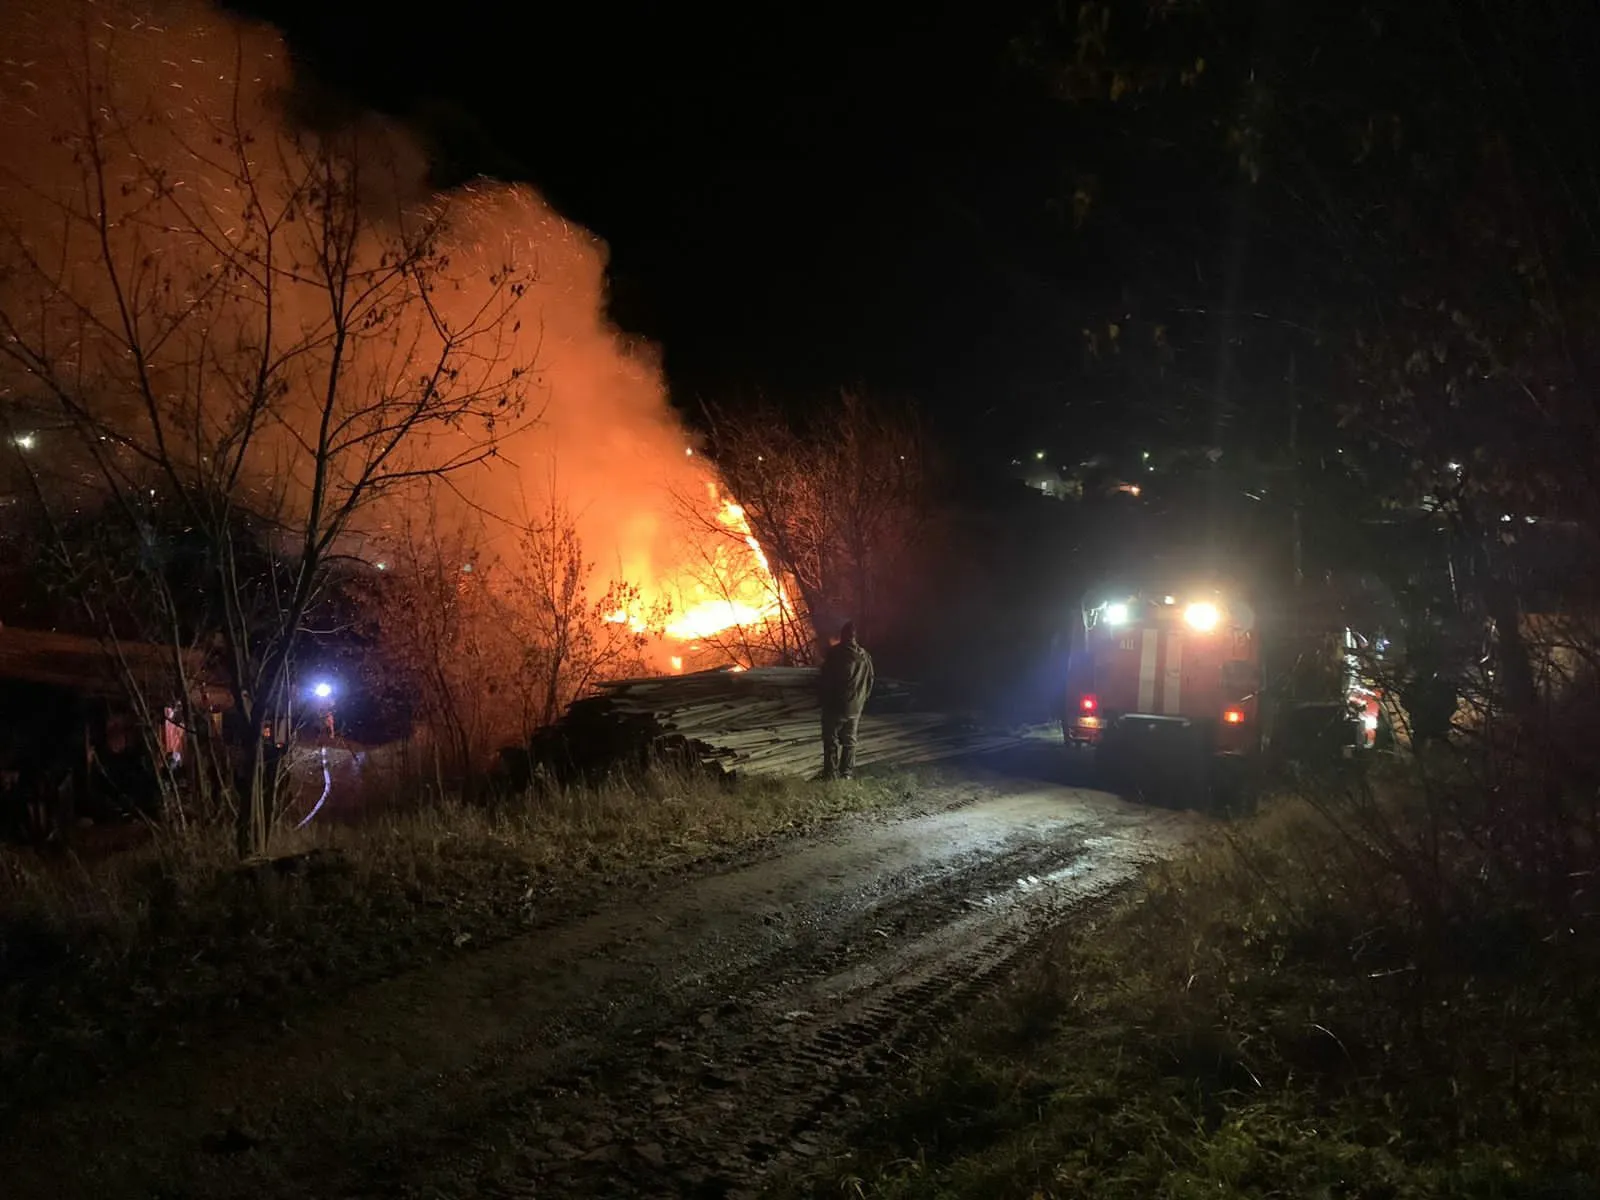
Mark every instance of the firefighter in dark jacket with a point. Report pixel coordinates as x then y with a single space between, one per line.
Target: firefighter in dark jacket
845 684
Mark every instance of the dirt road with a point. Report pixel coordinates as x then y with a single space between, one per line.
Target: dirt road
694 1042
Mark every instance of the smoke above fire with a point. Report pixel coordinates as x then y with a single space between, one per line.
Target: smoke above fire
597 438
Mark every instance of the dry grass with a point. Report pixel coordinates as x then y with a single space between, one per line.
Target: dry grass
1266 1019
105 958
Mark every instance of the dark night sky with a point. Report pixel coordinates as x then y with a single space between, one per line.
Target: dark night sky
799 197
796 198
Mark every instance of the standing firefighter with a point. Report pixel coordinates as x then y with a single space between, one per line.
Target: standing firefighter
845 684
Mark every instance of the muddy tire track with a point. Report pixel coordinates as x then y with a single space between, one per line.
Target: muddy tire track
715 1102
697 1041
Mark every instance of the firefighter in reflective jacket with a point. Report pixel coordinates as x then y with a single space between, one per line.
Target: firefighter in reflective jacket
845 684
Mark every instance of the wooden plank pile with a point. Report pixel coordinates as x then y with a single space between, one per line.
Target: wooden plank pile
763 721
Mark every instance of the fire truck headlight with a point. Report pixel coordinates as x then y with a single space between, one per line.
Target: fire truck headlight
1116 614
1202 617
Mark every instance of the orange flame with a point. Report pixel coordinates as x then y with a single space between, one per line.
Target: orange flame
730 599
730 587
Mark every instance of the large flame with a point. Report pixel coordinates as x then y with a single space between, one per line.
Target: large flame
742 599
728 586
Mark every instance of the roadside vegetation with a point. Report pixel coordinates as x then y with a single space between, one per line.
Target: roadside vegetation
109 958
1369 989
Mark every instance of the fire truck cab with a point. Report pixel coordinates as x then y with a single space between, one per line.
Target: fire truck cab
1169 687
1159 669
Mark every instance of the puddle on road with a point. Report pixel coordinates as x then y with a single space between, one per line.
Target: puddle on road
1031 884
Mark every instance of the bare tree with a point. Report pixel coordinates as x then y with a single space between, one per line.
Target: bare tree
488 648
446 643
727 574
571 638
835 502
221 317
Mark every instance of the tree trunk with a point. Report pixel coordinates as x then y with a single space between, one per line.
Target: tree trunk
552 694
250 793
1511 650
863 614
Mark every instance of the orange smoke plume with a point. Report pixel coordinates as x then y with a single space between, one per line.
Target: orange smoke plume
596 436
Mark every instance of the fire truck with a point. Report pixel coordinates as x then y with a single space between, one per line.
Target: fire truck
1181 688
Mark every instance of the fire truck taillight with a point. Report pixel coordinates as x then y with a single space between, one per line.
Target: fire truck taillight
1089 704
1233 716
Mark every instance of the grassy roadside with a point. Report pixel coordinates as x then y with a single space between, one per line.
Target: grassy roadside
1256 1022
106 961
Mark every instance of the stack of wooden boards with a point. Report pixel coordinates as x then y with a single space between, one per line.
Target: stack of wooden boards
756 722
